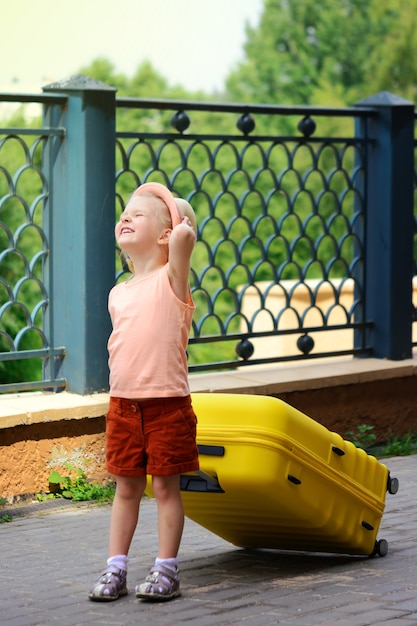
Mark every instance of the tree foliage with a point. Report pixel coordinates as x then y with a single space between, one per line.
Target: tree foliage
303 47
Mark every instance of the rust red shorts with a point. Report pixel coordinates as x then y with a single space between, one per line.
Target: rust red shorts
156 437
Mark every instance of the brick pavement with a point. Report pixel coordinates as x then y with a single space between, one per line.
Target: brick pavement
51 554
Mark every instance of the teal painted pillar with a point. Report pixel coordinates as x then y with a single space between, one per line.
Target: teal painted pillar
389 224
79 218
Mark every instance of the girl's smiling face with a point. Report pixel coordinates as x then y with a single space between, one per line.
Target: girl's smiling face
142 223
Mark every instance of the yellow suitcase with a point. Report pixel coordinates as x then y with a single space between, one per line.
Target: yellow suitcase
271 477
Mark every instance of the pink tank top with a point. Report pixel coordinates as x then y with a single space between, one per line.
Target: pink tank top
147 347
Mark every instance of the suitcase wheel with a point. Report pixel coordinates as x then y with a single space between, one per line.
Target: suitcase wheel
393 485
381 548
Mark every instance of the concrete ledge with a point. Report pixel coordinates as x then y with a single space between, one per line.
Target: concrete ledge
39 407
319 374
28 408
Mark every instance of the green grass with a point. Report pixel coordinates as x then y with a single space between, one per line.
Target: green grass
401 445
398 445
362 436
77 487
4 518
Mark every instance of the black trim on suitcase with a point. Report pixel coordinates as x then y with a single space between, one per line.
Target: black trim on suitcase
210 450
294 479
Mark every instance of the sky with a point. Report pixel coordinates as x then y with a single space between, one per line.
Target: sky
194 43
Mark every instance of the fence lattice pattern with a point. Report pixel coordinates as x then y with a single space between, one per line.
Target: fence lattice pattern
280 242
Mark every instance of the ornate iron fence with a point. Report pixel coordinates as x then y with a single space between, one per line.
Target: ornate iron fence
26 351
291 208
279 259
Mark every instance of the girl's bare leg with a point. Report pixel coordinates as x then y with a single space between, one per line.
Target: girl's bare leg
125 513
170 514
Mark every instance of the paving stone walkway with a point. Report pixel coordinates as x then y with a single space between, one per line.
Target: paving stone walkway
51 552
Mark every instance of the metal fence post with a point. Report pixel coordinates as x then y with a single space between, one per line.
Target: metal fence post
389 224
81 230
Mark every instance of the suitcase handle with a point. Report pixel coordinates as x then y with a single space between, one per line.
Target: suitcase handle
200 482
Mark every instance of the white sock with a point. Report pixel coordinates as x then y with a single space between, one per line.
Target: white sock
119 560
171 564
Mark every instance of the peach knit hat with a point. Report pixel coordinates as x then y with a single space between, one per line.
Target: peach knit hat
162 192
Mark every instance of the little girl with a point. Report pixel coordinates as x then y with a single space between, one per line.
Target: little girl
150 425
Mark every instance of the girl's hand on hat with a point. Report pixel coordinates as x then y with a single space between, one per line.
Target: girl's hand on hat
186 220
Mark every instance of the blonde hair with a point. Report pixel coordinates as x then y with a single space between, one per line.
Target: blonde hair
186 210
127 264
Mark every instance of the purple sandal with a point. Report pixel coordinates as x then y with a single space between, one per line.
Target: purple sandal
110 585
161 583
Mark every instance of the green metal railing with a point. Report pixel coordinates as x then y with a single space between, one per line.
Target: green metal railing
305 239
25 301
